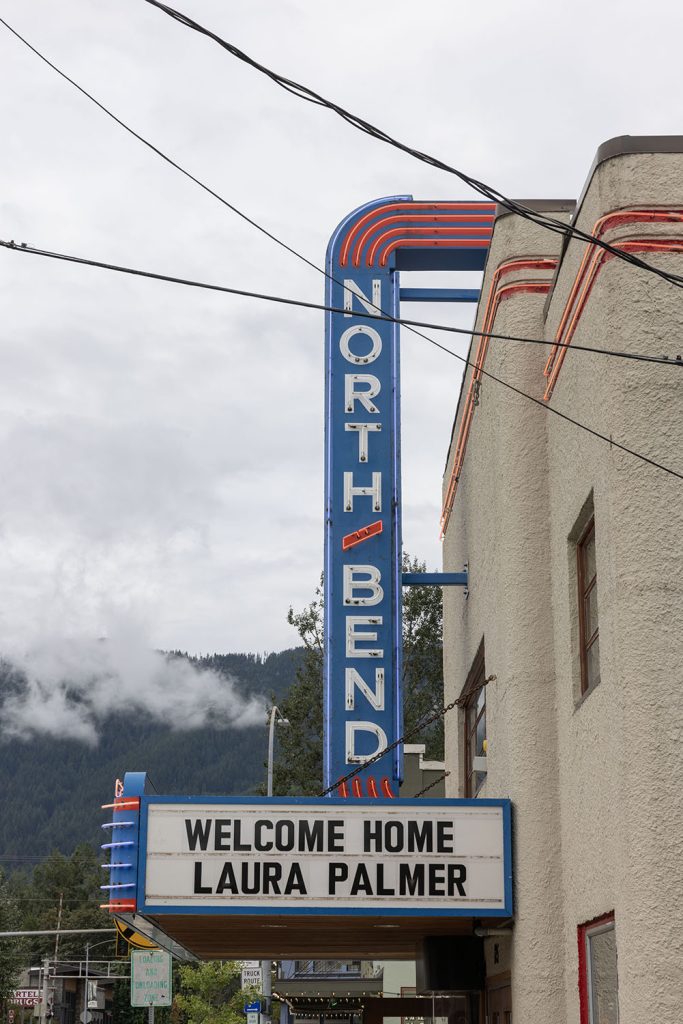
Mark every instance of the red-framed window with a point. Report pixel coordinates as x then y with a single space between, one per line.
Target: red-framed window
598 975
589 634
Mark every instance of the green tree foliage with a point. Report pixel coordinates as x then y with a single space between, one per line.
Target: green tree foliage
210 993
12 952
75 881
298 764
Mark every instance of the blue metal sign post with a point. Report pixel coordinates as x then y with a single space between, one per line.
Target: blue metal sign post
362 691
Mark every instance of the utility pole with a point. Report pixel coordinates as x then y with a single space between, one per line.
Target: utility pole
53 987
43 1001
266 965
86 1015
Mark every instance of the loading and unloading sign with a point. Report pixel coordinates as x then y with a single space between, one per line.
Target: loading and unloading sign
150 978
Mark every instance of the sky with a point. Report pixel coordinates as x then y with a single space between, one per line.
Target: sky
161 449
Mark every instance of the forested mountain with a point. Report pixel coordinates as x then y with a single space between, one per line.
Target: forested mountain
51 789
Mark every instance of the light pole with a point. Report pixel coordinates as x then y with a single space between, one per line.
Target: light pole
276 718
271 743
88 947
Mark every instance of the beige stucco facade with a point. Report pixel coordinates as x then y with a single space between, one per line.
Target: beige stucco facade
596 780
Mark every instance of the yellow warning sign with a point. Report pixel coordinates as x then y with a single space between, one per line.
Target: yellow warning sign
134 939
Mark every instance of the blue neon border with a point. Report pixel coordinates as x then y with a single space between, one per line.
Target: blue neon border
162 911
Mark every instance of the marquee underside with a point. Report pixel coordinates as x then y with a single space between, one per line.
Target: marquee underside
285 937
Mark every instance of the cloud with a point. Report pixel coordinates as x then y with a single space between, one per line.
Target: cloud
65 687
165 445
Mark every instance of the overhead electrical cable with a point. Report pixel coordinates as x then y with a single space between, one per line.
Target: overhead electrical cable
164 156
411 325
640 357
488 191
294 252
82 261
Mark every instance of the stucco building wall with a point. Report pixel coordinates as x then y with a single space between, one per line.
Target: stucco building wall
596 782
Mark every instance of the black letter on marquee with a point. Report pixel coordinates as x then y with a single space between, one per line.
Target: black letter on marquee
284 835
411 880
295 882
201 830
238 845
311 835
221 834
259 843
337 873
335 837
457 873
436 880
444 837
393 845
198 887
227 880
372 833
419 836
272 873
361 881
251 888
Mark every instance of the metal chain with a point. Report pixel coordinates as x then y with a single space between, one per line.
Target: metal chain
431 785
458 702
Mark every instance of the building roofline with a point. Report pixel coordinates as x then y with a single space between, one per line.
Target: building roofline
538 206
620 145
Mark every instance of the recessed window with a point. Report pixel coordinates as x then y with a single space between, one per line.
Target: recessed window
598 979
589 633
474 707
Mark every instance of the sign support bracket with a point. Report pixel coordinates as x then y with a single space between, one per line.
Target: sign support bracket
437 579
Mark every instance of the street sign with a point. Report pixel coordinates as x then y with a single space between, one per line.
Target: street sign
252 976
253 1017
254 1007
150 978
134 939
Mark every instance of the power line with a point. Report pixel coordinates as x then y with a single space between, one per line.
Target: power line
664 360
314 305
278 241
333 309
309 95
411 325
164 156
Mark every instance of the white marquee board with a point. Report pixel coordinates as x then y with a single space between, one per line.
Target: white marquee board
324 856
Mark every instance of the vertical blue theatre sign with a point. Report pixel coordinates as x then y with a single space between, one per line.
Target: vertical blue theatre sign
362 690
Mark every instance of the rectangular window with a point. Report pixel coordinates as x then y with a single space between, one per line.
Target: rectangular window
598 981
589 638
474 707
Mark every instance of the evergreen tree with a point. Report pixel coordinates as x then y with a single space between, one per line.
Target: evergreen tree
75 883
298 763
